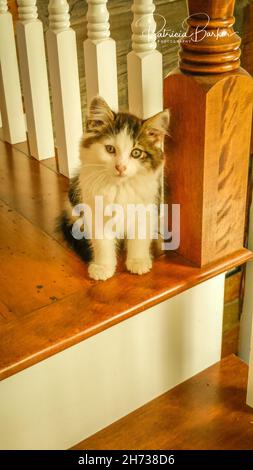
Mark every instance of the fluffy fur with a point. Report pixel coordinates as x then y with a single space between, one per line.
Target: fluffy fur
121 159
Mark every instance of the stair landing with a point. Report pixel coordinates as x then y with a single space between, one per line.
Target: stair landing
207 411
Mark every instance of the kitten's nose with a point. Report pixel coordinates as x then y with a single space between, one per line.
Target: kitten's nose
120 169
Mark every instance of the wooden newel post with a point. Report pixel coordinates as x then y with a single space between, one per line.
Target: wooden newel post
210 98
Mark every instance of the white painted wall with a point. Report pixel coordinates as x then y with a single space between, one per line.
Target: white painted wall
249 399
246 330
75 393
247 313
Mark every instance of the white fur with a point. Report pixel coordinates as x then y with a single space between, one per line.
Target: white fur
139 185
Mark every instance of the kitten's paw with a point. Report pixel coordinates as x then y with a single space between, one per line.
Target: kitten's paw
99 272
139 265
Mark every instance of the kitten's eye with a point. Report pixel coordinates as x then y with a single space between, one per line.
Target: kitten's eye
136 153
110 149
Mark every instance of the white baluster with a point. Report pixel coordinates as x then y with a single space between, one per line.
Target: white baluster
58 15
64 79
100 55
33 69
144 63
10 94
27 10
3 6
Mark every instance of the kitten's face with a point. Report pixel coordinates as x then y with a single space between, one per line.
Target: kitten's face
121 144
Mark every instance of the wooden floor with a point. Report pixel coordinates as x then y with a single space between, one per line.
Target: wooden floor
205 412
47 302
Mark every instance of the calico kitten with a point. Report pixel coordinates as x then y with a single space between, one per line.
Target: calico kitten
121 159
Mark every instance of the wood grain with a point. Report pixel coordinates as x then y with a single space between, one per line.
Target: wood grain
42 284
95 307
211 118
206 412
207 160
247 47
247 40
31 189
47 301
36 270
233 287
214 52
230 340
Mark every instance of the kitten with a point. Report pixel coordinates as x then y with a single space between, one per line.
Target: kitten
121 159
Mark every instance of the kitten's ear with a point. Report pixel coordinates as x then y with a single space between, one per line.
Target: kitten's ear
100 114
156 127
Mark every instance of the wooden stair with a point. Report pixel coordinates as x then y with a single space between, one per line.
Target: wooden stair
43 284
207 411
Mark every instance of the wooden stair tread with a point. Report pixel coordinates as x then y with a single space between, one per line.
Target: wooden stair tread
47 302
31 188
207 411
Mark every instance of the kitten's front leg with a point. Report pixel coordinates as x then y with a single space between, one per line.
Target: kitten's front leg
104 259
139 260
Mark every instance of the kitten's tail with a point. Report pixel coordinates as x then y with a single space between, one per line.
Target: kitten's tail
81 247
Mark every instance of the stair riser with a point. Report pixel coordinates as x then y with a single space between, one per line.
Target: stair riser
73 394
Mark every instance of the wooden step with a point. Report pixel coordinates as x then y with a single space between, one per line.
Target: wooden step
43 284
207 411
